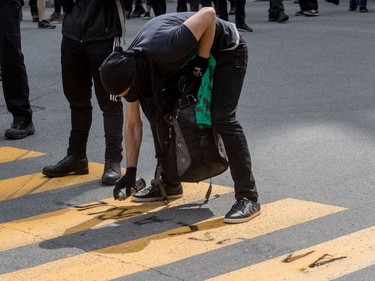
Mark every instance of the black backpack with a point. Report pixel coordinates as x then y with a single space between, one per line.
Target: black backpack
192 154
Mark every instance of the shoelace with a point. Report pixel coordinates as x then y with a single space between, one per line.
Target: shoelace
240 203
110 165
17 125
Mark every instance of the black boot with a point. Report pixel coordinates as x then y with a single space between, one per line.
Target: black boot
20 130
112 173
68 165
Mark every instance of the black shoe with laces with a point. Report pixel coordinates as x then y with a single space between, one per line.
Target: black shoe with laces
20 130
112 173
282 17
154 193
311 13
244 27
55 18
138 12
70 164
273 16
242 211
353 8
44 24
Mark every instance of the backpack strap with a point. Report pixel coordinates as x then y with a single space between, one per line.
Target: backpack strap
122 18
158 182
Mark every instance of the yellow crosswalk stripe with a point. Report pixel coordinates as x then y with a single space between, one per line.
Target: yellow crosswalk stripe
326 261
8 154
173 245
35 183
71 220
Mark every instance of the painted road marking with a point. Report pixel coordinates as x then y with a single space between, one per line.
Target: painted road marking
95 214
8 154
173 245
35 183
325 261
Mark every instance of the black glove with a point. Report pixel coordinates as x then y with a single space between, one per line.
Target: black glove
194 71
126 182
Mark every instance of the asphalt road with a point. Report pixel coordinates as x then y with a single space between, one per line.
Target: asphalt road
308 111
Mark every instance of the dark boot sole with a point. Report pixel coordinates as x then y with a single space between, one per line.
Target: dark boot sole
155 199
109 182
55 175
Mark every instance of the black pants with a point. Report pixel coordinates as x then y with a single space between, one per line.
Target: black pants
80 68
222 10
14 76
182 6
194 5
159 6
230 66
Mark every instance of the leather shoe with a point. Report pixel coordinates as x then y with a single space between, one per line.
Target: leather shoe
243 210
282 17
70 164
20 130
112 173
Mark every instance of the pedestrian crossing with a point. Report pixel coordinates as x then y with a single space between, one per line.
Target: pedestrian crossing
8 154
110 241
354 252
37 182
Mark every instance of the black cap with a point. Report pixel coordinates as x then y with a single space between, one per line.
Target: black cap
118 71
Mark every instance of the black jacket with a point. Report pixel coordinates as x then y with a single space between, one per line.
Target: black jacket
92 20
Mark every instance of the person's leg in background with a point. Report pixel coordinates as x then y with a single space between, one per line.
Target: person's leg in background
276 11
240 16
194 5
308 8
159 6
222 9
43 23
112 113
57 16
181 6
34 10
138 9
232 10
147 14
77 84
14 76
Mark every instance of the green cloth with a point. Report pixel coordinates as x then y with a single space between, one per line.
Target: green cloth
203 107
